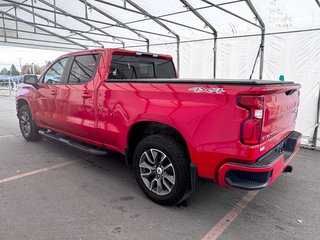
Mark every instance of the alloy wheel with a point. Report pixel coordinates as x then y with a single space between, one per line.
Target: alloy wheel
157 171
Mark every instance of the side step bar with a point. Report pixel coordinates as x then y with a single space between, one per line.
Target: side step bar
73 143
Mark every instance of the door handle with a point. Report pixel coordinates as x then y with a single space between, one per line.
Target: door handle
53 92
86 94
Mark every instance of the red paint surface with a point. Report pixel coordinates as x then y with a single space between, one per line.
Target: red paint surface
102 113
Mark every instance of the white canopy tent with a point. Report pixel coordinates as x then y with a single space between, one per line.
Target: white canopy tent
207 38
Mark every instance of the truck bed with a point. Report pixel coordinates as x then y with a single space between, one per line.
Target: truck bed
245 82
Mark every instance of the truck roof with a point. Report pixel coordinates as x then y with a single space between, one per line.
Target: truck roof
118 51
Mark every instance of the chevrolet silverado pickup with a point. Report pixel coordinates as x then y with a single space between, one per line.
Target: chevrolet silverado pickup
237 133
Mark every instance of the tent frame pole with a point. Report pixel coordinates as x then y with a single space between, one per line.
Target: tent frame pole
254 11
207 24
117 21
144 12
45 30
57 24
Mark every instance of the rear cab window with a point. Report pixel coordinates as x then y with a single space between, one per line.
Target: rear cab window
83 68
140 67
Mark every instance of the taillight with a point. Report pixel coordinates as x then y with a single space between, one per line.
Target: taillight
251 127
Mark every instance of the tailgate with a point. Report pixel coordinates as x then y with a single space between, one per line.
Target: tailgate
280 113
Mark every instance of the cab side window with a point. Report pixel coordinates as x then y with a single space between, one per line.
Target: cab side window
83 68
55 73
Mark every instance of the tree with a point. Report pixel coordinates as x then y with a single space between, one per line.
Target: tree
28 69
4 71
14 71
48 63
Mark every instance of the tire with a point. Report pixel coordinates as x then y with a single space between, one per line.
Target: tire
161 166
28 127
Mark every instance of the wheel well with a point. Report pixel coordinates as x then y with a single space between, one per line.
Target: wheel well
143 129
20 103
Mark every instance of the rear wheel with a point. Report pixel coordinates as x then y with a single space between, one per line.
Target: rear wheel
28 127
162 169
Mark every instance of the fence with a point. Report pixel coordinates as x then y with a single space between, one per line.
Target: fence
8 87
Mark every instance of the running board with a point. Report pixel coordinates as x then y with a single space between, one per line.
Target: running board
73 143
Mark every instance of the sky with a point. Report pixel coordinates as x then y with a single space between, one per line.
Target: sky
12 55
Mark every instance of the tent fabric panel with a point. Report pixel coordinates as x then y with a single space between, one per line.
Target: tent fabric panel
297 57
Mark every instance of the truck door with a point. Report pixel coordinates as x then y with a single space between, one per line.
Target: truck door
76 98
49 86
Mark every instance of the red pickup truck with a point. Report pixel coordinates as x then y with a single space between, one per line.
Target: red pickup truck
237 133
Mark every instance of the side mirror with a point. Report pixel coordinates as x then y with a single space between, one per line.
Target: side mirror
30 79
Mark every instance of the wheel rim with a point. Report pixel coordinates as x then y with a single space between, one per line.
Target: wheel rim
157 172
25 123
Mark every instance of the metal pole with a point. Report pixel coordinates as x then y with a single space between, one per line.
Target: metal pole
115 20
144 12
214 32
315 133
4 28
86 9
215 57
9 80
33 17
57 24
33 45
148 45
262 53
90 20
75 31
15 14
231 13
254 11
45 30
85 23
148 15
178 55
55 13
20 65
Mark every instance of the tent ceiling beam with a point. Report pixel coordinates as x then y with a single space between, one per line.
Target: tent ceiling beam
89 20
116 20
73 30
144 12
207 24
318 2
149 16
56 24
112 25
41 46
49 35
44 30
79 20
184 11
41 40
229 12
83 22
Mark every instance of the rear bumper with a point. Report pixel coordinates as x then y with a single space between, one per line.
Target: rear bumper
266 169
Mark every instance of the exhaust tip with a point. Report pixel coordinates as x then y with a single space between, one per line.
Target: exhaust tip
288 169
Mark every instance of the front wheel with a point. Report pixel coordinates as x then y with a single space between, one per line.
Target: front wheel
162 169
28 127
